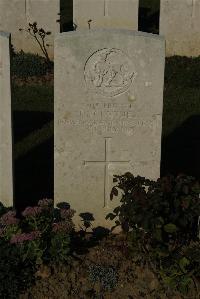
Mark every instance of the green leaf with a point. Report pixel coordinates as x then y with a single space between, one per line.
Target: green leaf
183 263
117 210
115 191
161 251
157 234
110 216
161 220
170 228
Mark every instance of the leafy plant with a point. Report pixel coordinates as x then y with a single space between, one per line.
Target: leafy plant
39 34
59 247
26 65
41 235
54 225
160 218
15 275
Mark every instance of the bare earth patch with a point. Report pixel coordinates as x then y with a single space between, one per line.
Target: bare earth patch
74 282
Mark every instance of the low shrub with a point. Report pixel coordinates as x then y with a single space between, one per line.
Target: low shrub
15 275
40 236
39 35
24 65
161 220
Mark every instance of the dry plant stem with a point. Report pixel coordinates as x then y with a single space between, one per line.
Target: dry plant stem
45 51
42 46
152 267
196 285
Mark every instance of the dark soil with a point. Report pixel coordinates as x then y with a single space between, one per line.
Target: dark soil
46 79
73 281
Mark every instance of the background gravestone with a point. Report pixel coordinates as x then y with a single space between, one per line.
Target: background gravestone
6 179
15 14
180 23
122 14
108 114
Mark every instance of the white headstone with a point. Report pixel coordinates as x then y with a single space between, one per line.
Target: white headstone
108 114
16 14
6 178
180 23
122 14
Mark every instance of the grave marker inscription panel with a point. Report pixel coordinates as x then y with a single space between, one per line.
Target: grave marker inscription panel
6 180
108 114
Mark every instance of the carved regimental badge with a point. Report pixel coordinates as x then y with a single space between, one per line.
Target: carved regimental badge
109 72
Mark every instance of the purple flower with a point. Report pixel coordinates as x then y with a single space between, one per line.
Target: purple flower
9 218
62 226
20 238
45 202
67 213
32 211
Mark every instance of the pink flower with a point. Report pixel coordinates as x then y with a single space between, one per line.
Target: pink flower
32 211
9 218
62 227
20 238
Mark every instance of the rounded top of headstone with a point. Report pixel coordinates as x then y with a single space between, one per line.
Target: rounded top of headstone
4 34
104 31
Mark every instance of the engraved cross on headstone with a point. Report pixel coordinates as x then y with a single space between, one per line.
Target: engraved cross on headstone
1 63
105 8
106 162
193 8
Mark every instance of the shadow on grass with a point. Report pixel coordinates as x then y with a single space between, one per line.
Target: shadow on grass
33 168
25 122
33 175
181 149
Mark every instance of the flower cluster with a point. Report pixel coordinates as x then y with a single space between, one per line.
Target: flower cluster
20 238
65 227
41 233
9 218
32 211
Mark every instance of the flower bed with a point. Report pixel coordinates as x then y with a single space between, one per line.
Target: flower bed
156 256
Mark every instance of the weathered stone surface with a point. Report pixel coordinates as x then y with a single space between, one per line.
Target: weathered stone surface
15 14
6 179
122 14
180 23
108 114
